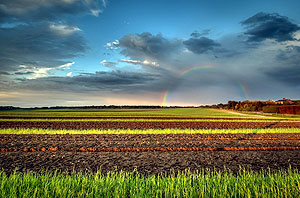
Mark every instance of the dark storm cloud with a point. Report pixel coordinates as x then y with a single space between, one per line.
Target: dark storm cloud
289 75
286 67
146 45
269 26
200 45
40 45
115 81
32 10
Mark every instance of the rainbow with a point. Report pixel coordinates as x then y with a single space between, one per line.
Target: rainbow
194 68
188 70
244 89
165 97
182 73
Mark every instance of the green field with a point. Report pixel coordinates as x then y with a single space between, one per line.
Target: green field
120 184
182 112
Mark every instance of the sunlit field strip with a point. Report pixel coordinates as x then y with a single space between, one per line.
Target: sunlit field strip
202 183
185 112
149 131
143 120
180 112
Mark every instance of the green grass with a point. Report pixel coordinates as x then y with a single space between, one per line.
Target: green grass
119 184
185 112
277 115
148 131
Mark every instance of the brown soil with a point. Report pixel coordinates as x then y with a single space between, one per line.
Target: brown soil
149 154
144 125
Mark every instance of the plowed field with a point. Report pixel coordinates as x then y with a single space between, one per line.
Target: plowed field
145 125
149 154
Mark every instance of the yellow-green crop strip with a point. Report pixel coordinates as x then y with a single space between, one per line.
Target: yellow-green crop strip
149 131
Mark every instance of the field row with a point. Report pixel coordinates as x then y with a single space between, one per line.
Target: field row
146 139
147 118
146 125
151 132
124 143
180 112
147 149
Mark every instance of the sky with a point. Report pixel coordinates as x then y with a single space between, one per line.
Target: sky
148 52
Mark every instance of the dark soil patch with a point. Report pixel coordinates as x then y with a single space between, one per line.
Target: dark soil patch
151 162
145 125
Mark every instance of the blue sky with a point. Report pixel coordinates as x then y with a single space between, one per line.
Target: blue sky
96 52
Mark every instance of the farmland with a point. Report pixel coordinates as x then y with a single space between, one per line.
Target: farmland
151 145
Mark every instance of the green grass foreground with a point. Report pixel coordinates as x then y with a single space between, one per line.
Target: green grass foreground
148 131
120 184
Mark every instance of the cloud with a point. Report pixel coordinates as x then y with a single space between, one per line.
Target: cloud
137 62
41 32
148 46
286 66
114 81
113 45
32 72
104 3
200 45
263 26
69 74
197 34
32 10
63 30
39 45
106 63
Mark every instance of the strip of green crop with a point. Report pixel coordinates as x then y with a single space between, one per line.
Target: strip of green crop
186 112
144 120
148 131
124 184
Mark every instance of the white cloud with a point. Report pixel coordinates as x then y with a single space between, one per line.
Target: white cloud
69 74
96 12
66 66
40 72
106 63
295 42
137 62
113 45
63 30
